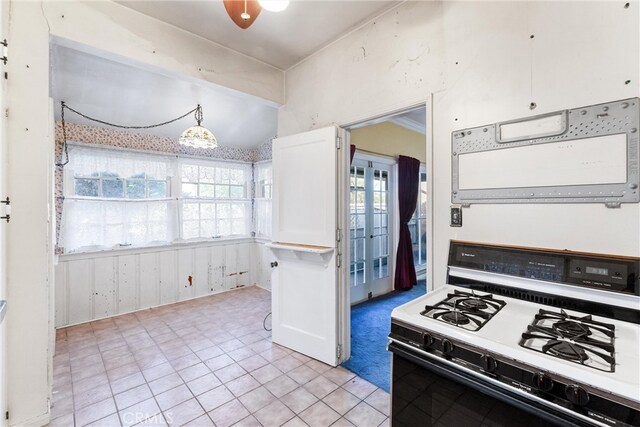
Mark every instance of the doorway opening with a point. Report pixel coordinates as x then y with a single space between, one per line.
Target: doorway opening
374 229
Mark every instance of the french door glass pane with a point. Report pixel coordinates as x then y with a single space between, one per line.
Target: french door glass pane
369 198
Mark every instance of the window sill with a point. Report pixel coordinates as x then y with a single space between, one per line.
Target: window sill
129 250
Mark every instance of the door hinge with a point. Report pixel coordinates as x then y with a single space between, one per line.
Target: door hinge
5 54
338 142
339 260
6 202
339 352
338 235
6 415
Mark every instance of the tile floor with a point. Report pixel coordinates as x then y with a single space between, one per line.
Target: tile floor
202 362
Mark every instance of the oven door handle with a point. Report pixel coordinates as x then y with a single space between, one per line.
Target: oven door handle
439 367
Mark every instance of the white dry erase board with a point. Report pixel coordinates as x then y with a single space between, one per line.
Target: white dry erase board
583 155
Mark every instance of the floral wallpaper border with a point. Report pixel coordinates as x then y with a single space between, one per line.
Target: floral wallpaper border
138 141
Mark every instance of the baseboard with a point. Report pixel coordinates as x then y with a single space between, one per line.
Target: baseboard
39 421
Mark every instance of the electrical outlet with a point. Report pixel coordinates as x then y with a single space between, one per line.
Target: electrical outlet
456 216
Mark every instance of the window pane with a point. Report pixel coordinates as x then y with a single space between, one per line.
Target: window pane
190 229
223 210
189 173
190 211
207 191
207 211
157 189
222 191
135 189
207 174
113 188
236 192
86 187
189 190
224 227
207 228
222 175
237 210
237 177
238 226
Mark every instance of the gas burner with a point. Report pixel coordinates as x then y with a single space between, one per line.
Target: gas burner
455 317
576 339
474 304
465 310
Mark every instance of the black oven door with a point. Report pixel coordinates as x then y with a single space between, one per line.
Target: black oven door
427 392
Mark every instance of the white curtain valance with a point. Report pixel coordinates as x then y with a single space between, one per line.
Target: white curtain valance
83 161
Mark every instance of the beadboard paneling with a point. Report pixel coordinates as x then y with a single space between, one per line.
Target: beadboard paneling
105 284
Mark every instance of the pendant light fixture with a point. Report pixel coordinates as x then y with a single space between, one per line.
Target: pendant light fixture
198 136
242 13
274 5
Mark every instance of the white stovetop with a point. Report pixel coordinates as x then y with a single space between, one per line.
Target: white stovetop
503 332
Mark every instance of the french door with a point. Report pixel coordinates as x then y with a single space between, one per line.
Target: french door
371 225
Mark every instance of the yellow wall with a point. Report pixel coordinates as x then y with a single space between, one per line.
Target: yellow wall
390 139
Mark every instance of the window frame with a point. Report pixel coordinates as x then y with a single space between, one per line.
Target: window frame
246 201
174 194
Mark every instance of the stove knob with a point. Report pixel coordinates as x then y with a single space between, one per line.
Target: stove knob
427 340
489 364
577 395
542 381
447 347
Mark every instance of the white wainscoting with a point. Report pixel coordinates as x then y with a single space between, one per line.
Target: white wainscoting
96 285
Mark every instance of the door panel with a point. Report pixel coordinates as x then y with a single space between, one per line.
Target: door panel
304 207
305 282
370 229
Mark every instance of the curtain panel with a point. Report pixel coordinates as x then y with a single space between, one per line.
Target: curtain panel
408 183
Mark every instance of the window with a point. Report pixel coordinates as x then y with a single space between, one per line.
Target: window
263 185
122 198
116 198
418 225
215 199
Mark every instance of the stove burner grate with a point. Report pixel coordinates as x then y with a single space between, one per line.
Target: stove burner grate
466 310
576 339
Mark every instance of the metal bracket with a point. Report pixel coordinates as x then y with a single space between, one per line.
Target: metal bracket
6 201
613 205
6 217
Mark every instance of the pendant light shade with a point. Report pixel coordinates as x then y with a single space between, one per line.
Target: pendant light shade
198 136
274 5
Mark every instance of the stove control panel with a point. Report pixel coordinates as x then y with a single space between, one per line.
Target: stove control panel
605 272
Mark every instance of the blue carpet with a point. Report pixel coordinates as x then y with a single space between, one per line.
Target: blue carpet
370 323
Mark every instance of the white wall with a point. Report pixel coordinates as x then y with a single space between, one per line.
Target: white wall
125 34
92 286
481 65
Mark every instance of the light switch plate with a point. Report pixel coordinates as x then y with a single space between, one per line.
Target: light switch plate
456 216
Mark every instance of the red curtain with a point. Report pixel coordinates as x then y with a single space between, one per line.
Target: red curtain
408 182
352 153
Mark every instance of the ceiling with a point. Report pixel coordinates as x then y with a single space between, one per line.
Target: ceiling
280 39
123 94
415 120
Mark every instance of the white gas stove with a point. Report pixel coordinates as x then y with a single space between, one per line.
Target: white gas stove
496 328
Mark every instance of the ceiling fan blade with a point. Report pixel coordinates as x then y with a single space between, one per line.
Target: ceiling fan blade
235 8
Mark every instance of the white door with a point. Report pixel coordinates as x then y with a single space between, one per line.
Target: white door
305 283
370 231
